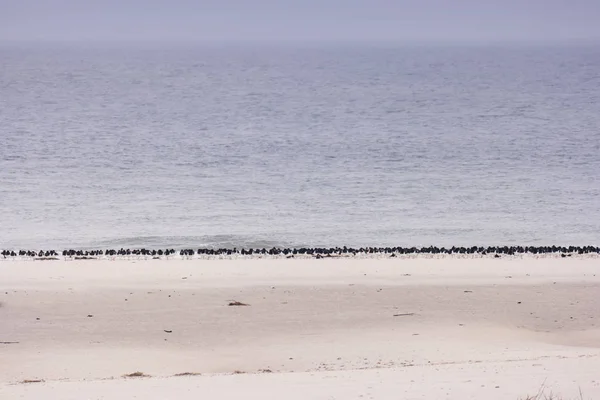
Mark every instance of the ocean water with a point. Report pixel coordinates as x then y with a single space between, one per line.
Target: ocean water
273 145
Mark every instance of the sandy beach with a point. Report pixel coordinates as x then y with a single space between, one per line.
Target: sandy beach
418 328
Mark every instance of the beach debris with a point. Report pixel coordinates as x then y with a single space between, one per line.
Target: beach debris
404 314
136 374
518 302
265 371
185 277
26 381
37 319
90 316
168 331
188 374
235 303
9 342
238 372
468 291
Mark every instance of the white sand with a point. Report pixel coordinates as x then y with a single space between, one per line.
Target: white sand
477 328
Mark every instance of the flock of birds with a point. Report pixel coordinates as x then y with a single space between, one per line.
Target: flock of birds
316 252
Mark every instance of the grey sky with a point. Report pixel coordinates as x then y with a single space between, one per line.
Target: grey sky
308 20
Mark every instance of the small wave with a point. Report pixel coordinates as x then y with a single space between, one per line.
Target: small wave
207 241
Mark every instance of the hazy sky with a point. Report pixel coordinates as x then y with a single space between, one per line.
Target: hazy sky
306 20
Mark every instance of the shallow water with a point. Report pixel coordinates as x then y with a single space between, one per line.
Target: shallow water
279 146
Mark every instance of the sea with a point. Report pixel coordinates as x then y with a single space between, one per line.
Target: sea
289 145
